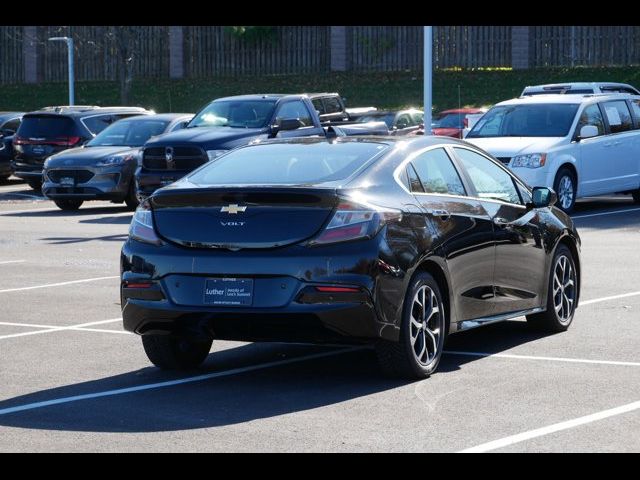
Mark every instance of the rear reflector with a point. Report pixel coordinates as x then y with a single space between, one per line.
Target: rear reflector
137 285
338 289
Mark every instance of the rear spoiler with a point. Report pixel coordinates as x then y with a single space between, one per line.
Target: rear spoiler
368 128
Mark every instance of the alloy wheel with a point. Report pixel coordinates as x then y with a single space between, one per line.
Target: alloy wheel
426 325
564 289
566 191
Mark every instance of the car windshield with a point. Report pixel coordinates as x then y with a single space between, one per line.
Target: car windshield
235 113
538 120
129 133
288 164
388 119
449 120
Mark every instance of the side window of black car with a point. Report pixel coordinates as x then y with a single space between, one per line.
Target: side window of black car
489 180
415 185
437 173
332 104
295 109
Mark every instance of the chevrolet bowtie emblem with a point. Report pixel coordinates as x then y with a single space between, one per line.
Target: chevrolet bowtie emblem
233 208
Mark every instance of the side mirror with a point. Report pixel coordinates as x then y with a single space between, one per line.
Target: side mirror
588 131
286 124
543 197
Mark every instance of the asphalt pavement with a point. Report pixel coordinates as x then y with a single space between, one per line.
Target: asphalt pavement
72 380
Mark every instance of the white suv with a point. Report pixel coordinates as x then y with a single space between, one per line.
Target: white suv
580 88
580 145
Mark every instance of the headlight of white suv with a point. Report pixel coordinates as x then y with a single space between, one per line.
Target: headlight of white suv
532 160
212 154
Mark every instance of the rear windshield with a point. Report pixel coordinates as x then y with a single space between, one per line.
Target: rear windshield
539 120
46 126
129 133
388 119
449 120
288 164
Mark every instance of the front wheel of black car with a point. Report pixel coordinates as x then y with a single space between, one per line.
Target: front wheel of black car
562 295
636 196
176 353
422 333
4 178
68 204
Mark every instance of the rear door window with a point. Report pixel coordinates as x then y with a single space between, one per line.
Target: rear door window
46 126
332 105
635 108
11 125
618 116
95 124
317 104
437 173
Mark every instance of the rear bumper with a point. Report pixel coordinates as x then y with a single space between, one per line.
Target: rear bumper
285 305
27 171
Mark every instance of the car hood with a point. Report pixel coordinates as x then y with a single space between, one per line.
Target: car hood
86 156
511 146
206 137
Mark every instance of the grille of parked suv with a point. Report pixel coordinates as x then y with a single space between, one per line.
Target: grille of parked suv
504 160
80 176
183 158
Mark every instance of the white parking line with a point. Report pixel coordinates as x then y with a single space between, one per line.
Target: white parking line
539 432
551 359
152 386
12 261
50 329
606 213
613 297
58 284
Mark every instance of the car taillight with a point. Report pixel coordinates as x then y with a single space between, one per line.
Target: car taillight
18 140
352 221
61 141
141 227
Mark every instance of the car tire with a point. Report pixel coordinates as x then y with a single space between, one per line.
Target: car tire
170 352
636 196
561 296
565 186
68 204
417 353
131 199
35 185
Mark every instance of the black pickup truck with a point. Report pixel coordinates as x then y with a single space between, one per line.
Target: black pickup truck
230 122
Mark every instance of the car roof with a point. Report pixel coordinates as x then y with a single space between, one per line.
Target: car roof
159 116
568 99
86 110
419 140
254 97
464 110
577 85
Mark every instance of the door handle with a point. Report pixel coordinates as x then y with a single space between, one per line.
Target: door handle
442 214
501 222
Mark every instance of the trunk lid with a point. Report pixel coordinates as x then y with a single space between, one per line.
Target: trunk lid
237 218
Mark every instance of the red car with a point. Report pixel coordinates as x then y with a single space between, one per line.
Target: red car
450 123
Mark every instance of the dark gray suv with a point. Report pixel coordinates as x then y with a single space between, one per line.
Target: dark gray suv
53 129
104 168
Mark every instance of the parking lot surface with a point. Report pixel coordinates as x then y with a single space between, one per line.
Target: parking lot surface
72 380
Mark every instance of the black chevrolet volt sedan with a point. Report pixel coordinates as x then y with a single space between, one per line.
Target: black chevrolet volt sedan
391 241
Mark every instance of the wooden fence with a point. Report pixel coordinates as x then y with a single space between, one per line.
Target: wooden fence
210 51
400 48
216 51
585 45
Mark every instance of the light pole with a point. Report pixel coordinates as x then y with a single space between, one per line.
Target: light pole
428 77
69 41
